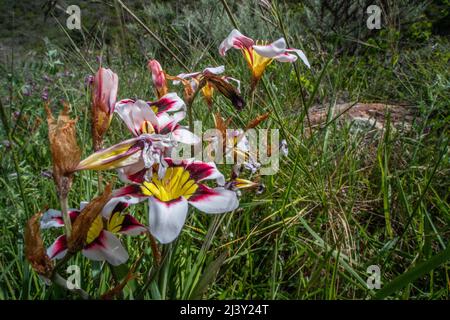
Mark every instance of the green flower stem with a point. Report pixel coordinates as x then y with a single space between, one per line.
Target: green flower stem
65 214
57 279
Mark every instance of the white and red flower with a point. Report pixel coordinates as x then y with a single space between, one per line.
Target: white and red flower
156 130
145 149
102 243
153 118
260 54
169 196
208 81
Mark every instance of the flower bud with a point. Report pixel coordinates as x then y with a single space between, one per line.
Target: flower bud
158 77
104 98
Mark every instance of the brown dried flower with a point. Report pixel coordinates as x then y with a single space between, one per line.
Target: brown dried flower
84 221
226 89
34 247
64 148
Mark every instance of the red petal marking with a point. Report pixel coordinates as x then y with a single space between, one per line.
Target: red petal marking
137 177
126 101
171 126
130 222
203 192
120 207
131 190
198 170
59 246
243 42
98 242
163 104
168 203
73 215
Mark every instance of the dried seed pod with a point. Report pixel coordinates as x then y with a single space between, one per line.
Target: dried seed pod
35 251
64 148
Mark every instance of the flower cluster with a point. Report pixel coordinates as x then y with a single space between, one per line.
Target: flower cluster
144 161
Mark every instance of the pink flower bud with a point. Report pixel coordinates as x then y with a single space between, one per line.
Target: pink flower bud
158 77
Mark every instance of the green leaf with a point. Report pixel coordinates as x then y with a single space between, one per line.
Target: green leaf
208 276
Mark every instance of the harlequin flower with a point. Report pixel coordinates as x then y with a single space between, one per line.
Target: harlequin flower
208 81
141 117
154 119
104 97
101 242
144 150
260 54
169 196
235 143
158 77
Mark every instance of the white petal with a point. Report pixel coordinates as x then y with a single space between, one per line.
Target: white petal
286 57
302 56
124 109
126 174
106 247
169 103
142 112
215 70
271 50
83 204
235 39
131 226
238 82
111 81
166 219
185 76
129 194
53 218
217 200
185 136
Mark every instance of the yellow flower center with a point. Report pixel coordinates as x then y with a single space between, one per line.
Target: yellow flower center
208 91
115 222
155 109
147 127
175 183
256 62
94 230
113 225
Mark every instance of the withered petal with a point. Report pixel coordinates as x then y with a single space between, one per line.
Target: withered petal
83 222
35 251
